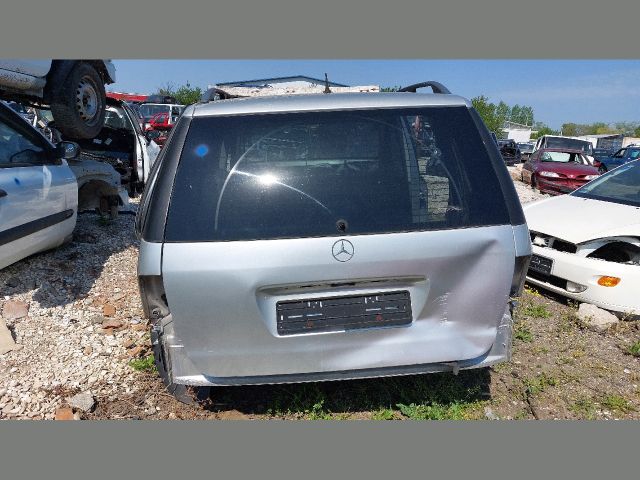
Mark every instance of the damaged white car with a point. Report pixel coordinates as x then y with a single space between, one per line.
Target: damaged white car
586 245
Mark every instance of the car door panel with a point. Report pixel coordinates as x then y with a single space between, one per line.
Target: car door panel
39 204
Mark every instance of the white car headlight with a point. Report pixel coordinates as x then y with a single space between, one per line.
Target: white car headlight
544 173
591 177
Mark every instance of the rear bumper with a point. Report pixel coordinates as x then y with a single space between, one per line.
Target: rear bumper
180 370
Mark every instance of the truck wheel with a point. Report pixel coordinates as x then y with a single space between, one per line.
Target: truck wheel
78 104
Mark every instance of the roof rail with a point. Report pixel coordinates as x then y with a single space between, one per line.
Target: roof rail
437 87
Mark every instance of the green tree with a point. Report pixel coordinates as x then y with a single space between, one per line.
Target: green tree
569 129
541 129
487 112
390 89
184 94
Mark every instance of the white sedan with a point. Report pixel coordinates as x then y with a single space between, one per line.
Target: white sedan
586 245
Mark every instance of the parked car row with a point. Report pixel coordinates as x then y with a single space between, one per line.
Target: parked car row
47 178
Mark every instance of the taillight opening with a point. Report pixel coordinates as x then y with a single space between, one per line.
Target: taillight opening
154 299
519 275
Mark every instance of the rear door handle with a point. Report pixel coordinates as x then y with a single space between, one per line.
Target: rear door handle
2 193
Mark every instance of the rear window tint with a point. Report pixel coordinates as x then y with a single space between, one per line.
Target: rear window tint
332 173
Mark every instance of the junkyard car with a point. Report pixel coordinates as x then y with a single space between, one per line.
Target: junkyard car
556 171
148 110
600 153
74 89
622 156
526 149
315 237
122 145
586 244
38 190
509 151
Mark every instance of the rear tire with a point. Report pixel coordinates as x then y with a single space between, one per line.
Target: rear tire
78 104
602 169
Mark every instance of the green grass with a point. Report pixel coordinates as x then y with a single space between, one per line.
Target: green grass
521 332
536 311
146 364
585 408
384 414
434 411
634 349
433 396
617 403
539 383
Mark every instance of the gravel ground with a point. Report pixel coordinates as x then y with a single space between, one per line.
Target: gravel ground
70 292
83 327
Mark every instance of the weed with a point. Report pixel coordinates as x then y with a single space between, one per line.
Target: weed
573 303
578 353
634 349
539 383
566 361
584 408
317 412
536 311
567 322
384 414
146 364
616 402
435 411
522 332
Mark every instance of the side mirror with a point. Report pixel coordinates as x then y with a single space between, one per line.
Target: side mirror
67 150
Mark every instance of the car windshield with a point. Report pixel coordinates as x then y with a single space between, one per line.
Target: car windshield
562 157
621 185
572 143
116 118
148 110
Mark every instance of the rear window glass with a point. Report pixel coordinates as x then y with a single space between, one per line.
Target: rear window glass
332 173
572 143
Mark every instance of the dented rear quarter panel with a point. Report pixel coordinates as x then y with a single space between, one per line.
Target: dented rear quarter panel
222 298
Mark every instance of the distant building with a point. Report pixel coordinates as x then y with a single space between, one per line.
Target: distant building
517 131
295 81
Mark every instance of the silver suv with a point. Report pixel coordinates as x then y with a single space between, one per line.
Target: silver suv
332 236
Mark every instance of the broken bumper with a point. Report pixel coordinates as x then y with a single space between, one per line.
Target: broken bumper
175 367
622 298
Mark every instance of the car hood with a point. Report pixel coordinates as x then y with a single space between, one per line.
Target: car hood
579 220
568 168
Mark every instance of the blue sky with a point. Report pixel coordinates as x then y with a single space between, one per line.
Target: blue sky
559 91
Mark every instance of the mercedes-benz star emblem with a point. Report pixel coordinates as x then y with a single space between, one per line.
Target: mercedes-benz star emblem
343 250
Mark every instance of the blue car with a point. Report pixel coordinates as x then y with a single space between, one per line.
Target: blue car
622 156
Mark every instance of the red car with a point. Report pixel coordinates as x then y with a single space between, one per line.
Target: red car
160 121
557 170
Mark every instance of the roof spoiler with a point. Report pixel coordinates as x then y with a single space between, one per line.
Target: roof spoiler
437 87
